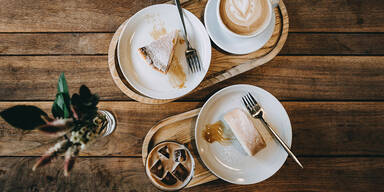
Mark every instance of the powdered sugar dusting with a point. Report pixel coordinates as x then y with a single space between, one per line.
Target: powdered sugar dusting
159 52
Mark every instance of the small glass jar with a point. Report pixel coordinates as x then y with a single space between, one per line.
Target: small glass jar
165 159
111 123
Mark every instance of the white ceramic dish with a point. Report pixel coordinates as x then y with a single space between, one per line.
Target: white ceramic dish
229 42
137 33
230 162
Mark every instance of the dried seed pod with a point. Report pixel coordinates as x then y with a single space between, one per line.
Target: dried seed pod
52 153
70 157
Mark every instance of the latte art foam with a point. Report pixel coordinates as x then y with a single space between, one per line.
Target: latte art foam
244 17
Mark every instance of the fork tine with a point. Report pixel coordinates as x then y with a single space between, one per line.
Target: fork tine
246 104
189 63
254 102
200 66
198 62
194 63
249 101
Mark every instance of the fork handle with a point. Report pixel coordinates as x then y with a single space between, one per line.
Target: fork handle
178 5
285 146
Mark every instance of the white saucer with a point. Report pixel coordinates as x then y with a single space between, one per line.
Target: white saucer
229 42
137 33
230 162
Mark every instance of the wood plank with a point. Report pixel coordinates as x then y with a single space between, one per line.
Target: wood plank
97 43
314 78
319 128
35 77
133 120
87 15
287 77
334 44
91 16
127 174
336 15
54 43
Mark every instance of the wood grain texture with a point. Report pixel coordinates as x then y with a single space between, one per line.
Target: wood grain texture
127 174
286 77
339 141
87 15
54 43
40 74
97 43
99 15
319 128
336 15
133 121
315 78
334 44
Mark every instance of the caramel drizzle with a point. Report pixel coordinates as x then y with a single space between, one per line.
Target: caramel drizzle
215 132
176 74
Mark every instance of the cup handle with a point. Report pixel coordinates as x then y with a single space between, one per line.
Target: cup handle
275 3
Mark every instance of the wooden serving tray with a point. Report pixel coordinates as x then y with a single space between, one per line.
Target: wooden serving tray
180 128
223 65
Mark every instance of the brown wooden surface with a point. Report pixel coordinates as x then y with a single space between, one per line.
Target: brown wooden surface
329 75
126 174
287 77
106 16
97 43
319 128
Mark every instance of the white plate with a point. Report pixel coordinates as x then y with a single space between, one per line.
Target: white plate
230 162
137 33
229 42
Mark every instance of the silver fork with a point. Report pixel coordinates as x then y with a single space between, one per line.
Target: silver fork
190 54
257 112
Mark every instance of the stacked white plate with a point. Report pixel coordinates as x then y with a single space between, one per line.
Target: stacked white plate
138 32
230 162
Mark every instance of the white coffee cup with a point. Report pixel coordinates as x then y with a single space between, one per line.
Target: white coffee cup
271 4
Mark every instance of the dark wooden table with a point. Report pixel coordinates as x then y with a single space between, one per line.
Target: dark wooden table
329 77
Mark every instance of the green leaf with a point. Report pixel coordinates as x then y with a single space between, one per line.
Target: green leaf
61 106
62 86
25 117
56 110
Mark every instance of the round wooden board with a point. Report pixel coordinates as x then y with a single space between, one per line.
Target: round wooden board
262 56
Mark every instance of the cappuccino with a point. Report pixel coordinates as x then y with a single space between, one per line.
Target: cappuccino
245 17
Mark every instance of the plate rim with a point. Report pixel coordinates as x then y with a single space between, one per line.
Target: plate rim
206 36
198 147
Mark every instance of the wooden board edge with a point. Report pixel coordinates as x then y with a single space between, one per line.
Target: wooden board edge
162 123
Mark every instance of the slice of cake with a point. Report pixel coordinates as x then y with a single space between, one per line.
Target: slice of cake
245 132
159 53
